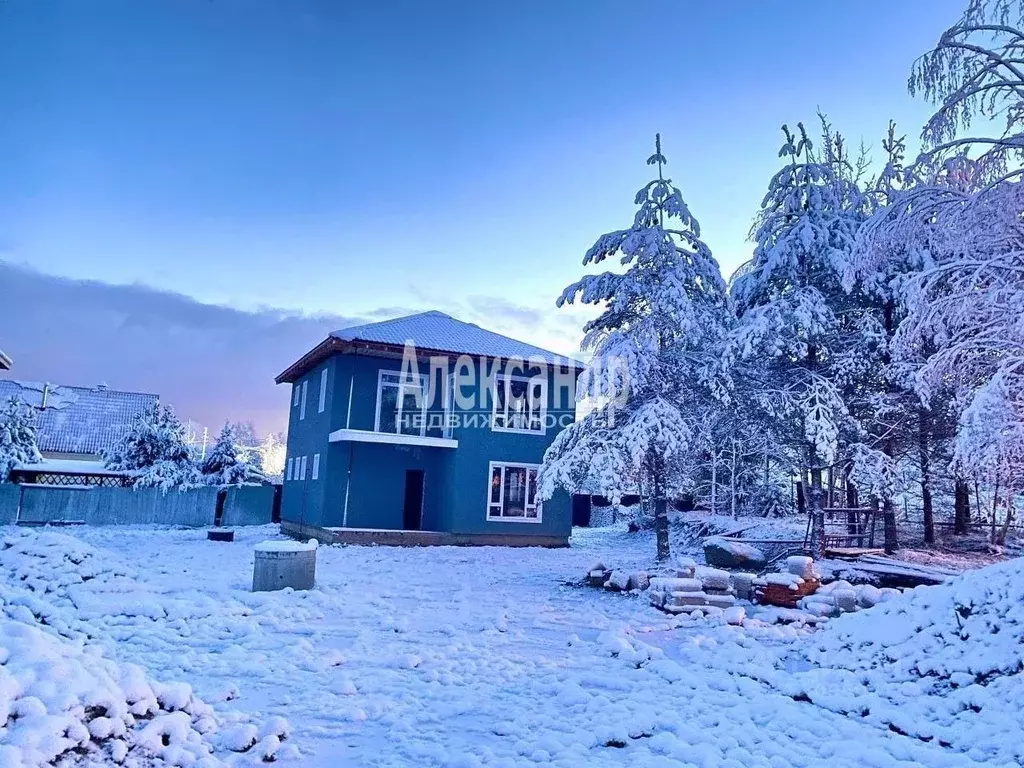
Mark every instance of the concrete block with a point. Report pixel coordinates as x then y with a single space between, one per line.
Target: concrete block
639 580
282 564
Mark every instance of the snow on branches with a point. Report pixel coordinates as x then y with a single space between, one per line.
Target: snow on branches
154 452
224 466
656 339
17 436
975 71
788 295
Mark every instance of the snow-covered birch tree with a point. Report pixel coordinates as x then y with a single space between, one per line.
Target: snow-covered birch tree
659 331
963 227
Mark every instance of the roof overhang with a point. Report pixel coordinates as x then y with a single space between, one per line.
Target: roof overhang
333 345
5 362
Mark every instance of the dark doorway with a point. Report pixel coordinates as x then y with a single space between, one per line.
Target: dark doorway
412 517
581 509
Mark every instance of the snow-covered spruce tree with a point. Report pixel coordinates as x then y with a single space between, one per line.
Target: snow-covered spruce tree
654 343
154 452
790 303
223 465
17 436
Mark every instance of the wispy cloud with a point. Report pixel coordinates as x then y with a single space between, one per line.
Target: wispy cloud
211 362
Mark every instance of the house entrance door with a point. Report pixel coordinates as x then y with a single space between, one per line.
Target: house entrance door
412 517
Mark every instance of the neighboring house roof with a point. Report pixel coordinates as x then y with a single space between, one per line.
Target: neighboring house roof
78 419
430 332
68 467
5 362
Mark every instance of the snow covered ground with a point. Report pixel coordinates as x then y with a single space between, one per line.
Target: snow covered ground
471 657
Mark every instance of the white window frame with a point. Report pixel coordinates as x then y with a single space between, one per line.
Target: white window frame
499 380
288 471
323 391
302 467
315 473
537 504
302 404
401 385
296 391
449 407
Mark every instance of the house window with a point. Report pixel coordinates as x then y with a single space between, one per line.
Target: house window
288 472
302 402
520 404
512 493
296 388
315 475
401 403
323 391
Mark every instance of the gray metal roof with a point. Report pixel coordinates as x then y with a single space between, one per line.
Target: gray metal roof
5 362
443 333
78 419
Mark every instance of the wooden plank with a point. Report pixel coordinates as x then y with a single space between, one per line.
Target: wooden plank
880 559
907 575
851 552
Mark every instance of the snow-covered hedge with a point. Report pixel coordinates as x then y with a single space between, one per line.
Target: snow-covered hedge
63 703
943 663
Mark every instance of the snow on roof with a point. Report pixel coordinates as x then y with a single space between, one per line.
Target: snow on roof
437 331
78 419
68 467
5 362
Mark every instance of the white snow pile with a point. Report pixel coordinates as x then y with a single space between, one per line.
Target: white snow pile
944 664
63 703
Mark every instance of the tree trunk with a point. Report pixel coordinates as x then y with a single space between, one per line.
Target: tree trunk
892 540
817 516
732 481
714 482
1008 521
854 524
660 507
962 507
926 479
995 508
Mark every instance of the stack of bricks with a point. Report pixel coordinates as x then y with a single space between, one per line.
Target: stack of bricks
692 588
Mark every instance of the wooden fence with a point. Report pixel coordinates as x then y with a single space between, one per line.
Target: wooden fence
195 508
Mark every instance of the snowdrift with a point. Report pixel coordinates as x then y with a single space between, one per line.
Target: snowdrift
62 702
942 664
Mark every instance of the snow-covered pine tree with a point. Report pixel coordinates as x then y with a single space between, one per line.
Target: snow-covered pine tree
224 466
17 436
658 333
154 452
787 300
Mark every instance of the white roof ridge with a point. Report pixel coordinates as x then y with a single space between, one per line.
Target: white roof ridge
377 323
447 339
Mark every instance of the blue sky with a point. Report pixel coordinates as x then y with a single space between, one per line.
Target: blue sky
361 159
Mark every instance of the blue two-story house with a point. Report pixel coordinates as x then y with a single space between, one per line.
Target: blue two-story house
426 423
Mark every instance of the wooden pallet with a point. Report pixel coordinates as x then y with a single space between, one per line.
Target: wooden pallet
783 596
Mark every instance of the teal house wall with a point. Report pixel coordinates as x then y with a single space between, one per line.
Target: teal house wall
361 473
